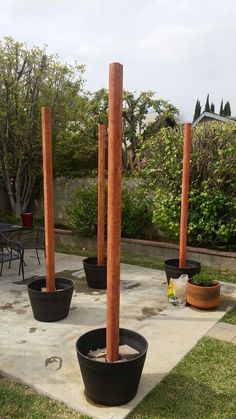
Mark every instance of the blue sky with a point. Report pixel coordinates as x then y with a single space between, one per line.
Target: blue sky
182 50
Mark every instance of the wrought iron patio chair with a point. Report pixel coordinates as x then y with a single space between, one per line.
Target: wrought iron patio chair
30 238
11 250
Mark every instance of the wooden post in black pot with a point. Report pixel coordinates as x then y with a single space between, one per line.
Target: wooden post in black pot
95 267
184 199
50 297
101 192
174 268
114 209
48 198
110 382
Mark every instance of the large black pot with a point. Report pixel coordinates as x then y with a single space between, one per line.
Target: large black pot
111 383
96 275
173 271
50 306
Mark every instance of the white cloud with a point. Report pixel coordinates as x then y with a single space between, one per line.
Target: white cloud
180 49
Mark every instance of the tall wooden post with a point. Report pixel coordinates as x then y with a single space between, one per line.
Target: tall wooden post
101 193
185 187
48 198
114 210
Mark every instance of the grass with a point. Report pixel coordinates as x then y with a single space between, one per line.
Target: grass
230 317
22 402
201 386
149 262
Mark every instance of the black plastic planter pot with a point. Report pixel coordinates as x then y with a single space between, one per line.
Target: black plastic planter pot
111 383
50 306
96 275
173 271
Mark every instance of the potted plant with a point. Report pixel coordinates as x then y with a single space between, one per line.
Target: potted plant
27 219
202 291
96 267
111 359
174 268
50 297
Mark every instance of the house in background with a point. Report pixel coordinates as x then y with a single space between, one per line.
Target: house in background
210 116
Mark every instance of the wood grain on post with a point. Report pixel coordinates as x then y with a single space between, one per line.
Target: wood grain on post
101 192
48 198
184 201
114 210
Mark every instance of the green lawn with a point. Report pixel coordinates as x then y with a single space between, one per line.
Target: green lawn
230 317
18 401
201 386
149 262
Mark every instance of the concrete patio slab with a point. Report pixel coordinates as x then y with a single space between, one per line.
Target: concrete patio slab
223 331
43 355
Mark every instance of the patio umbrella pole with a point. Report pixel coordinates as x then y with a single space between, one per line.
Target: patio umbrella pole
114 210
48 198
101 192
184 202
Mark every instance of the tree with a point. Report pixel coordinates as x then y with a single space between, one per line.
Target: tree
212 108
137 125
76 152
212 191
222 108
197 111
207 105
30 79
227 109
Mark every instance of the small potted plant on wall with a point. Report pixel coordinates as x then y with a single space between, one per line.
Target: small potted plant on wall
203 291
96 267
50 297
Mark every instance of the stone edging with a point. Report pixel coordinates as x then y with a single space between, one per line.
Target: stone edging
160 250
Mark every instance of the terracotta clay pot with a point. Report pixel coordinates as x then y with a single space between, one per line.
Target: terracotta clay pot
203 297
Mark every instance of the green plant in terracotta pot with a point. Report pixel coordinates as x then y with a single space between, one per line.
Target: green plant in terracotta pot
203 291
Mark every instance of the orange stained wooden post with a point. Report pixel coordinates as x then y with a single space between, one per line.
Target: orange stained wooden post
48 198
114 209
185 187
101 192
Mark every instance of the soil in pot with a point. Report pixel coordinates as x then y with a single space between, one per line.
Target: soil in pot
111 383
96 275
203 297
50 306
172 269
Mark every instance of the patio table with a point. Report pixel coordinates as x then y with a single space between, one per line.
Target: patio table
7 227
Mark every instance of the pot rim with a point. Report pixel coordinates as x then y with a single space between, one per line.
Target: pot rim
69 281
112 363
215 283
88 261
169 262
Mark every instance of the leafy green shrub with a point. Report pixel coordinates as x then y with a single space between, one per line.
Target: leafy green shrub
212 196
211 215
136 219
82 211
136 212
11 219
202 279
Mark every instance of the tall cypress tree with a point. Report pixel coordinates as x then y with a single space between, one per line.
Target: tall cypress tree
212 108
222 108
207 105
197 111
227 109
